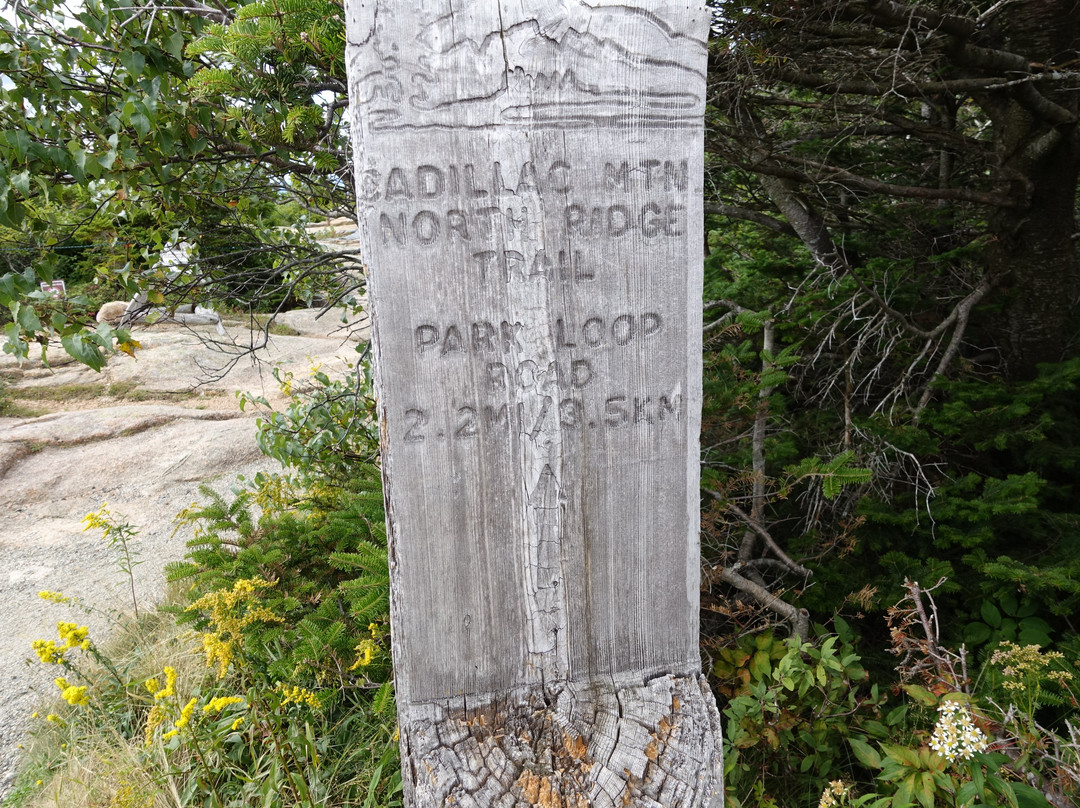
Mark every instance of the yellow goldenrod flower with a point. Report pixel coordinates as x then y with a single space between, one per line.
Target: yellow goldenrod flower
299 695
152 685
73 635
170 685
75 695
237 723
220 602
218 651
154 719
1025 667
100 519
185 714
231 611
218 704
54 718
365 654
172 733
55 597
48 652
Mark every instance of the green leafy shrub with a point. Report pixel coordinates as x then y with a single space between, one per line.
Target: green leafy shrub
793 705
289 589
1010 619
797 729
328 430
323 552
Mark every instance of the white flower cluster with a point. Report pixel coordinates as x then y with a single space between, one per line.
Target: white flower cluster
955 736
832 795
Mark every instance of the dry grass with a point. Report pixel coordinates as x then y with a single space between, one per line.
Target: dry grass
65 766
31 402
277 329
113 775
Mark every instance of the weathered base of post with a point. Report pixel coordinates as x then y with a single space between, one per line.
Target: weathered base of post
587 744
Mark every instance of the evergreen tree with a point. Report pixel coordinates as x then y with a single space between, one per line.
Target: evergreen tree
893 280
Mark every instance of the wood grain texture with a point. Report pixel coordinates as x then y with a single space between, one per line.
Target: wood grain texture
596 744
529 190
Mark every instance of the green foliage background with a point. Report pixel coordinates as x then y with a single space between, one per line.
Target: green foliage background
828 422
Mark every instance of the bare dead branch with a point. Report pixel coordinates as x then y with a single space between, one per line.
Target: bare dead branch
810 171
758 529
963 312
798 618
745 214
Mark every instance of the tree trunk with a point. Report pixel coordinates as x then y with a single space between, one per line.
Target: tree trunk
1038 153
1036 245
530 208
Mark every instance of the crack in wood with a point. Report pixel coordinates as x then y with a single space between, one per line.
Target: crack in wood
529 208
583 745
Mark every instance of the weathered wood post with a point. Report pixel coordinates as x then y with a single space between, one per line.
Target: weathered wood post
529 186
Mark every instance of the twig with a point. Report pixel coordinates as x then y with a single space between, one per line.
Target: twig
799 618
756 527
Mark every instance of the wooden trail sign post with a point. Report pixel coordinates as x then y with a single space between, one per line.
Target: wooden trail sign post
529 189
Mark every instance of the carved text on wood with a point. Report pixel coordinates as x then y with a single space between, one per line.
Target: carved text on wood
529 190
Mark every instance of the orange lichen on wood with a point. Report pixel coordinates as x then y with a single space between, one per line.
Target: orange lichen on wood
549 797
652 751
529 784
575 746
541 792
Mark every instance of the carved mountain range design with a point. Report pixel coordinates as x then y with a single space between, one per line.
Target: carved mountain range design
567 69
